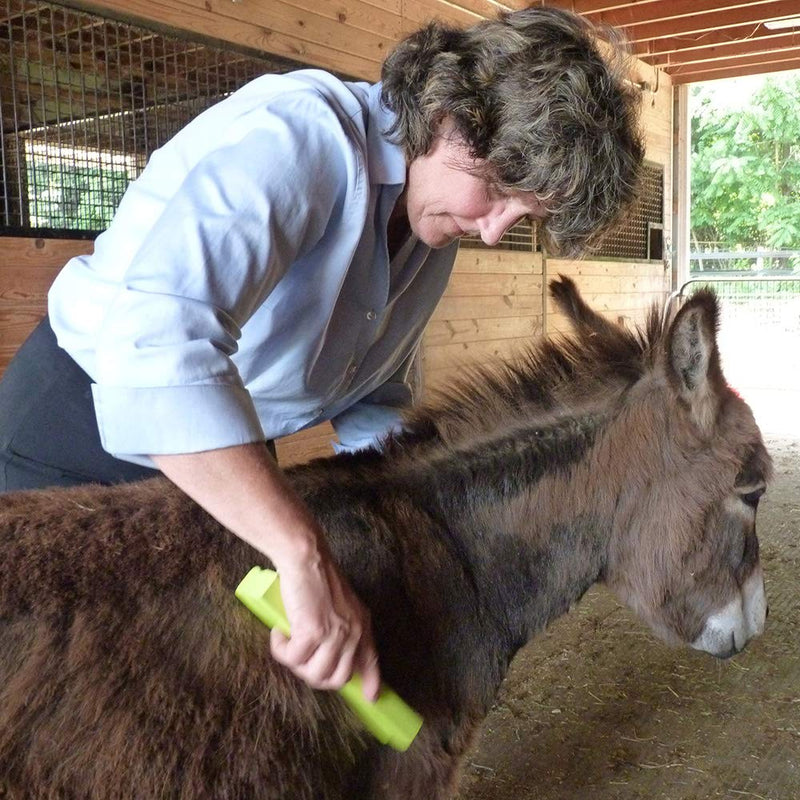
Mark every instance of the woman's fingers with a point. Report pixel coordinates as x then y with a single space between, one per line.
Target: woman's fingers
323 661
366 664
330 632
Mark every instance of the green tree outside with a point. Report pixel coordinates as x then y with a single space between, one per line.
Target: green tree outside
65 196
746 170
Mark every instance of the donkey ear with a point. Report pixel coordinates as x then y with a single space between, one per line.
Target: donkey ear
693 366
586 321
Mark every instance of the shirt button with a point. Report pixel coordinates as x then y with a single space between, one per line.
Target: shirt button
371 315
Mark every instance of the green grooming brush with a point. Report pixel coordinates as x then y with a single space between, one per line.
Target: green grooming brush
389 718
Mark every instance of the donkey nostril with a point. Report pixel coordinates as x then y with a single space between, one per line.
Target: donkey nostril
766 613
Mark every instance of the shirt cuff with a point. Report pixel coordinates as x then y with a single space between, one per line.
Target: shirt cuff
137 422
365 425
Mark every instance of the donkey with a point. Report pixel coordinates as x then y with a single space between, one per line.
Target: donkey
128 668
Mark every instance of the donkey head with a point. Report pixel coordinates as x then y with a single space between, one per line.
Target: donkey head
684 552
700 556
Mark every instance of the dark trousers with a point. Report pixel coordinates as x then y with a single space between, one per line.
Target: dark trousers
48 428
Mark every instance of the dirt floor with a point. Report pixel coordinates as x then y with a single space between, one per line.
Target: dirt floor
598 709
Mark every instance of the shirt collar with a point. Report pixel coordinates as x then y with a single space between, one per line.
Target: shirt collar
387 163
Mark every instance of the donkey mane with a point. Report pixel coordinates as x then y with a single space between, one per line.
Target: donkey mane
566 369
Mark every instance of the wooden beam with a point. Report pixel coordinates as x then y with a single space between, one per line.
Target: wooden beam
747 17
644 12
417 13
265 26
713 43
743 55
589 8
479 9
703 73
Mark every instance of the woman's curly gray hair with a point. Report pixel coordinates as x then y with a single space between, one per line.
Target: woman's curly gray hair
534 100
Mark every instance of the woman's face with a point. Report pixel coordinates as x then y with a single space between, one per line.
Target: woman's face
444 200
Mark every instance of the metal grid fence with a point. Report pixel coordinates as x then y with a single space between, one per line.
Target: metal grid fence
84 101
759 332
639 238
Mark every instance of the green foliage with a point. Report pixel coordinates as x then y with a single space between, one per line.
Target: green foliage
65 196
746 167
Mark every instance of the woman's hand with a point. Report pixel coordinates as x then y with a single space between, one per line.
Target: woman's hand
331 633
243 488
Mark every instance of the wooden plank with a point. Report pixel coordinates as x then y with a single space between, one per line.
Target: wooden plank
364 31
466 353
495 261
487 9
395 6
613 307
750 58
27 269
668 53
417 13
300 447
615 301
516 305
445 331
292 44
739 71
383 19
467 284
25 284
16 324
20 251
621 284
586 267
744 17
650 11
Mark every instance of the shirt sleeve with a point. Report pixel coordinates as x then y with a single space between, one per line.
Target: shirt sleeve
366 423
165 381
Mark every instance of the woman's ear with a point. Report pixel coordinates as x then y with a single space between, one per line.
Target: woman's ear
693 364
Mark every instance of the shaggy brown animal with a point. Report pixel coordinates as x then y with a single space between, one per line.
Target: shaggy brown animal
129 670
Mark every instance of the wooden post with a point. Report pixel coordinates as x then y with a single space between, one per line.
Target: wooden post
681 194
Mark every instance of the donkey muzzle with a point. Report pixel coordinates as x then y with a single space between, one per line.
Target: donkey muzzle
728 630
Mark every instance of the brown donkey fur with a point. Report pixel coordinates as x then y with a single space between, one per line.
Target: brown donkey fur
128 669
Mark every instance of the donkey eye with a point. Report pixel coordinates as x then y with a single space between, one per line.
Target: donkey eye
752 498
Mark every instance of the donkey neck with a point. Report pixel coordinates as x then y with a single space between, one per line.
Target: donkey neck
519 569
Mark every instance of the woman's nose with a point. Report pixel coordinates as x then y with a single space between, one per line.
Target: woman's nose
493 226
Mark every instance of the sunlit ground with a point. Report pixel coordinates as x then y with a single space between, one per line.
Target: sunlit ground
763 365
776 411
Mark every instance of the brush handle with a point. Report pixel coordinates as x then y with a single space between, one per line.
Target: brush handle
388 718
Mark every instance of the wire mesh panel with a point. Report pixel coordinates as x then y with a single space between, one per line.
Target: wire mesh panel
640 237
84 100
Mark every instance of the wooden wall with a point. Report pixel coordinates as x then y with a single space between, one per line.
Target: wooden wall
496 299
492 305
27 268
350 36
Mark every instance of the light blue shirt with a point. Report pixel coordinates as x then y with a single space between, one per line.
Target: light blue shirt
244 290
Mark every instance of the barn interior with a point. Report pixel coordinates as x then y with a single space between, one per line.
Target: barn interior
597 707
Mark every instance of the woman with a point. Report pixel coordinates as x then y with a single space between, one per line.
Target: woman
276 263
